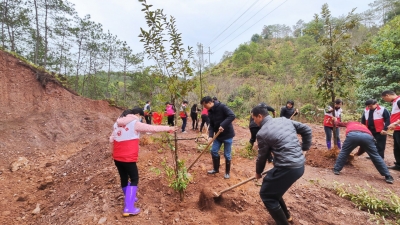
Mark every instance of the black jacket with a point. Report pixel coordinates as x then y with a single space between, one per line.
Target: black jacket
252 124
221 115
286 112
279 136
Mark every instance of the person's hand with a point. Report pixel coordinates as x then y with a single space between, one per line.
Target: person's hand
221 129
297 110
334 119
392 126
173 129
258 176
383 132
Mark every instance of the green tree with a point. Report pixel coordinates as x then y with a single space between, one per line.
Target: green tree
335 56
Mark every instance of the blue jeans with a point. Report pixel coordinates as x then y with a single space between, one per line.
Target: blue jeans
366 142
328 133
184 120
227 148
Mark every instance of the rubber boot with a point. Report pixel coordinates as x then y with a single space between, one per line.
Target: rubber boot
339 144
285 210
227 169
278 215
129 208
216 163
124 190
328 144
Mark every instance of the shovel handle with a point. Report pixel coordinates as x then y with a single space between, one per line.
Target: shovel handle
293 114
243 182
208 145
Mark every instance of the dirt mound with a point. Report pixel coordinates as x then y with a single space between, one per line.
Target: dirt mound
63 172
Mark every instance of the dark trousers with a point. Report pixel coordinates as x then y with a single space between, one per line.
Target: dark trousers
277 181
253 132
396 147
148 119
171 120
380 144
184 120
127 170
195 121
204 120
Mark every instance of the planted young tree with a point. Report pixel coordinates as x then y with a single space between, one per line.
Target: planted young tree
335 56
173 62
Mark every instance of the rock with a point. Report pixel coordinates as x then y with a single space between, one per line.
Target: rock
21 162
105 208
37 209
302 222
102 220
48 164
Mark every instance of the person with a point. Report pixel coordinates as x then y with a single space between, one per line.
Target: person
215 99
124 142
358 134
183 115
147 112
377 119
391 96
254 128
193 114
204 119
169 110
328 125
279 137
221 118
289 111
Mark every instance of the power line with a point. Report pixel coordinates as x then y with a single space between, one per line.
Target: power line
250 26
232 22
244 23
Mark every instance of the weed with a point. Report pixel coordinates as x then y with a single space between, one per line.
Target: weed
155 170
248 151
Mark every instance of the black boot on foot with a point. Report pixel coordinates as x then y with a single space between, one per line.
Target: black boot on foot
227 169
216 163
279 216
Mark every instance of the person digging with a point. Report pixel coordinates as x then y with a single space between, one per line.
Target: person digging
279 137
358 134
221 118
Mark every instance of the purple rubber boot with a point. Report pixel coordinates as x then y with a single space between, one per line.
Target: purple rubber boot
129 208
339 144
124 190
328 144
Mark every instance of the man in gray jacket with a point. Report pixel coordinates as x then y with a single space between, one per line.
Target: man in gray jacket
279 137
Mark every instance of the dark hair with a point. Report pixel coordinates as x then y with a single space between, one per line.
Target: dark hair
138 110
215 98
185 102
147 102
194 106
167 103
387 92
126 112
206 100
290 102
260 109
338 101
370 102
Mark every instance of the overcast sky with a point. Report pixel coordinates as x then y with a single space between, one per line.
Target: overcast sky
201 21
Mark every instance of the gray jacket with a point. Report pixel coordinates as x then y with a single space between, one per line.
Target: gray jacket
279 136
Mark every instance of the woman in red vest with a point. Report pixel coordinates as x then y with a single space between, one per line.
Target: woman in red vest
357 134
328 125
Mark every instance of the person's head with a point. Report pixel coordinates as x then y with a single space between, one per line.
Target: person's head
338 103
371 103
148 102
290 104
214 99
126 112
207 102
259 113
184 102
388 96
194 106
167 103
137 111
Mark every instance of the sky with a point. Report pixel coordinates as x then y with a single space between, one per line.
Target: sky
221 25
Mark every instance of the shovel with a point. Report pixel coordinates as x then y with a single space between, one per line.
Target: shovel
208 145
218 194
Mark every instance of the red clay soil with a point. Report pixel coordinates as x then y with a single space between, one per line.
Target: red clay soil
67 176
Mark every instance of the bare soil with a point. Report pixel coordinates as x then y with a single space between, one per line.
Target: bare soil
67 175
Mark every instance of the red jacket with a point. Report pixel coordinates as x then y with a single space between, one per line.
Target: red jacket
354 126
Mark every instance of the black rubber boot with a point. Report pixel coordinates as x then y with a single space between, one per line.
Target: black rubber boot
285 210
216 163
279 216
227 169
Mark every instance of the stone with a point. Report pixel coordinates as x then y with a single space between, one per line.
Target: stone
102 220
36 210
20 163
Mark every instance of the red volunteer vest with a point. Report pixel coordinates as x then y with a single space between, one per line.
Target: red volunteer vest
395 112
328 117
379 122
356 126
126 143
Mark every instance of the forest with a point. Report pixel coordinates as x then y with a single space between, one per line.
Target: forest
281 62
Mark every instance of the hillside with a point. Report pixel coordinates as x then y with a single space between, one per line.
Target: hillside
65 174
